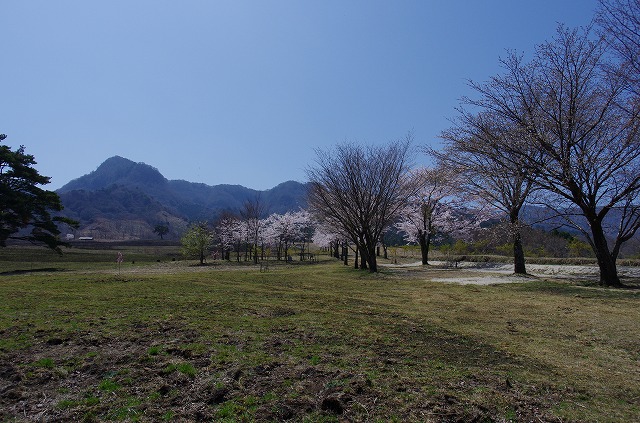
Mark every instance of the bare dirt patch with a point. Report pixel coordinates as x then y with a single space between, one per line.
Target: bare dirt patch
163 371
475 273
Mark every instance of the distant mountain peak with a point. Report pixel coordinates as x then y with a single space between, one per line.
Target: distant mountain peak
116 161
117 170
121 190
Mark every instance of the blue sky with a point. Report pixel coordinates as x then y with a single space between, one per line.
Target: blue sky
244 92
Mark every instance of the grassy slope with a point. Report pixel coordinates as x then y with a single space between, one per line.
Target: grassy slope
317 342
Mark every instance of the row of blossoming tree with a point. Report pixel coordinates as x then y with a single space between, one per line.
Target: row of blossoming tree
249 237
258 238
561 131
358 193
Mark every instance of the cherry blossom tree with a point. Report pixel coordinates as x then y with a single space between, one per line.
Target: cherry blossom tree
305 231
328 237
421 217
224 234
337 242
436 209
251 213
231 232
279 233
284 230
240 236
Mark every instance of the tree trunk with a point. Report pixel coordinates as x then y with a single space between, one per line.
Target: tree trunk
424 238
355 259
372 261
519 266
368 253
606 263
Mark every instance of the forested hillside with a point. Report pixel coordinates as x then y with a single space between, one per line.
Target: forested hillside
123 199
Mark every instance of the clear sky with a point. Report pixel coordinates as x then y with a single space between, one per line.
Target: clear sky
243 92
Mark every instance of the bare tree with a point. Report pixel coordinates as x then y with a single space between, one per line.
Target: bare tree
620 23
359 190
252 212
582 119
489 172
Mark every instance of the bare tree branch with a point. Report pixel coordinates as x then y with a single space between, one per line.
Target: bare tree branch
359 190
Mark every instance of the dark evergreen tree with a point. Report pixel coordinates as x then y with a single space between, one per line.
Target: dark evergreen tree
25 208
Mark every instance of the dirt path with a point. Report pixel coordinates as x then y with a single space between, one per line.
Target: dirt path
498 273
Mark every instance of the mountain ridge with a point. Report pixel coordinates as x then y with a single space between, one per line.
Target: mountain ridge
123 199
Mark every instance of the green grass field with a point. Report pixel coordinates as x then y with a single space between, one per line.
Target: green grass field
81 339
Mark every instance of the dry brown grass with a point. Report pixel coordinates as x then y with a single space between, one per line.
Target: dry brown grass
169 341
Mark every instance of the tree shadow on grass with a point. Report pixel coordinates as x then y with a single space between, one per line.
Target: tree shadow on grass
26 271
586 288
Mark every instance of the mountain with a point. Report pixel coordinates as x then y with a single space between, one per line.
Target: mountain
117 171
123 199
